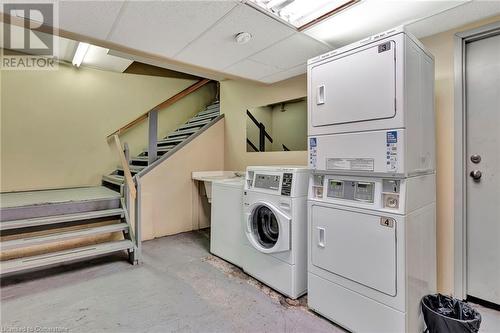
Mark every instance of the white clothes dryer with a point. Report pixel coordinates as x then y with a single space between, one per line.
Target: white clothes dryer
275 225
371 107
372 250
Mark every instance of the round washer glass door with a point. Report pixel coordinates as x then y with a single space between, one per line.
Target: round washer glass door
267 231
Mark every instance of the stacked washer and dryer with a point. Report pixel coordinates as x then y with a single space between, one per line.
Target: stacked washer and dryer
371 203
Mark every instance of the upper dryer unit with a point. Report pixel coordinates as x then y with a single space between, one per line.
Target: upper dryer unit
384 82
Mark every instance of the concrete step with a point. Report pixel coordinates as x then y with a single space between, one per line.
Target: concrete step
65 218
32 204
66 256
62 236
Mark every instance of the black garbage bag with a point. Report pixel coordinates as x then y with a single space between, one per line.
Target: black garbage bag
445 314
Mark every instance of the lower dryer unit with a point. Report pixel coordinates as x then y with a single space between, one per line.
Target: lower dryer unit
275 225
372 251
226 229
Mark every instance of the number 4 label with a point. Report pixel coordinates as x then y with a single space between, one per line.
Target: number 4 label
387 222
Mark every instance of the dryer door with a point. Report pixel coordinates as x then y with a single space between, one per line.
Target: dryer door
357 87
357 246
268 229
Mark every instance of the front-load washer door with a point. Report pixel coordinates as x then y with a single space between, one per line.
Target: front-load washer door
267 228
355 87
357 246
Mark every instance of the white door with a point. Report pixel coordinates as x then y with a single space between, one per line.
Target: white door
356 87
482 75
357 246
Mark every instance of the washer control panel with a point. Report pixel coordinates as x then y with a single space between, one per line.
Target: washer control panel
268 182
351 190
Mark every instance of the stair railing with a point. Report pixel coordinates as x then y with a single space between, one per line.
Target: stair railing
131 187
152 116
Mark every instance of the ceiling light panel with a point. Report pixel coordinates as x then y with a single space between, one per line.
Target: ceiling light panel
369 17
299 12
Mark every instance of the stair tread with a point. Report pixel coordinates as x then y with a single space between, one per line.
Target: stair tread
200 123
205 116
184 131
114 179
55 219
55 196
61 236
208 110
48 259
133 168
171 140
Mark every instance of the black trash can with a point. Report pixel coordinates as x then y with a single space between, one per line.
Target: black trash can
445 314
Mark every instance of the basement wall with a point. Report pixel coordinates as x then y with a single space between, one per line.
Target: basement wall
170 200
54 123
236 97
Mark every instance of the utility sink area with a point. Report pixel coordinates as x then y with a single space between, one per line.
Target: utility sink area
207 177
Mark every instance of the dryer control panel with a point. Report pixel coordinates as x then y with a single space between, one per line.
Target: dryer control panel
351 190
368 192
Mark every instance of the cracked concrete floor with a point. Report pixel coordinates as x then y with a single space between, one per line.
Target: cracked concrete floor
180 287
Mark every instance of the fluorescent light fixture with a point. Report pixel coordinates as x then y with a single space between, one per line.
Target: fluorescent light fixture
80 53
302 13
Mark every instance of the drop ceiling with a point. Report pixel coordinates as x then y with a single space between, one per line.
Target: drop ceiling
201 33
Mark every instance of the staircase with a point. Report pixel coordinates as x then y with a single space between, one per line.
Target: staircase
116 179
47 228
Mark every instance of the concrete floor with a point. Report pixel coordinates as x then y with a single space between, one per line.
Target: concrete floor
180 287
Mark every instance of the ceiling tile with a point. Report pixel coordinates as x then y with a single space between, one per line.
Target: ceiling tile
165 27
216 49
301 69
370 17
291 52
455 17
89 18
251 69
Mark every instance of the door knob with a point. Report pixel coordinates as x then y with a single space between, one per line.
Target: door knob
476 175
475 158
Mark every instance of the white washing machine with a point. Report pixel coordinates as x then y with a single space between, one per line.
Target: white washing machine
371 107
226 227
275 225
372 253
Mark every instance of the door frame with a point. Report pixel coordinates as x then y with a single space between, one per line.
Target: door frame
460 158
